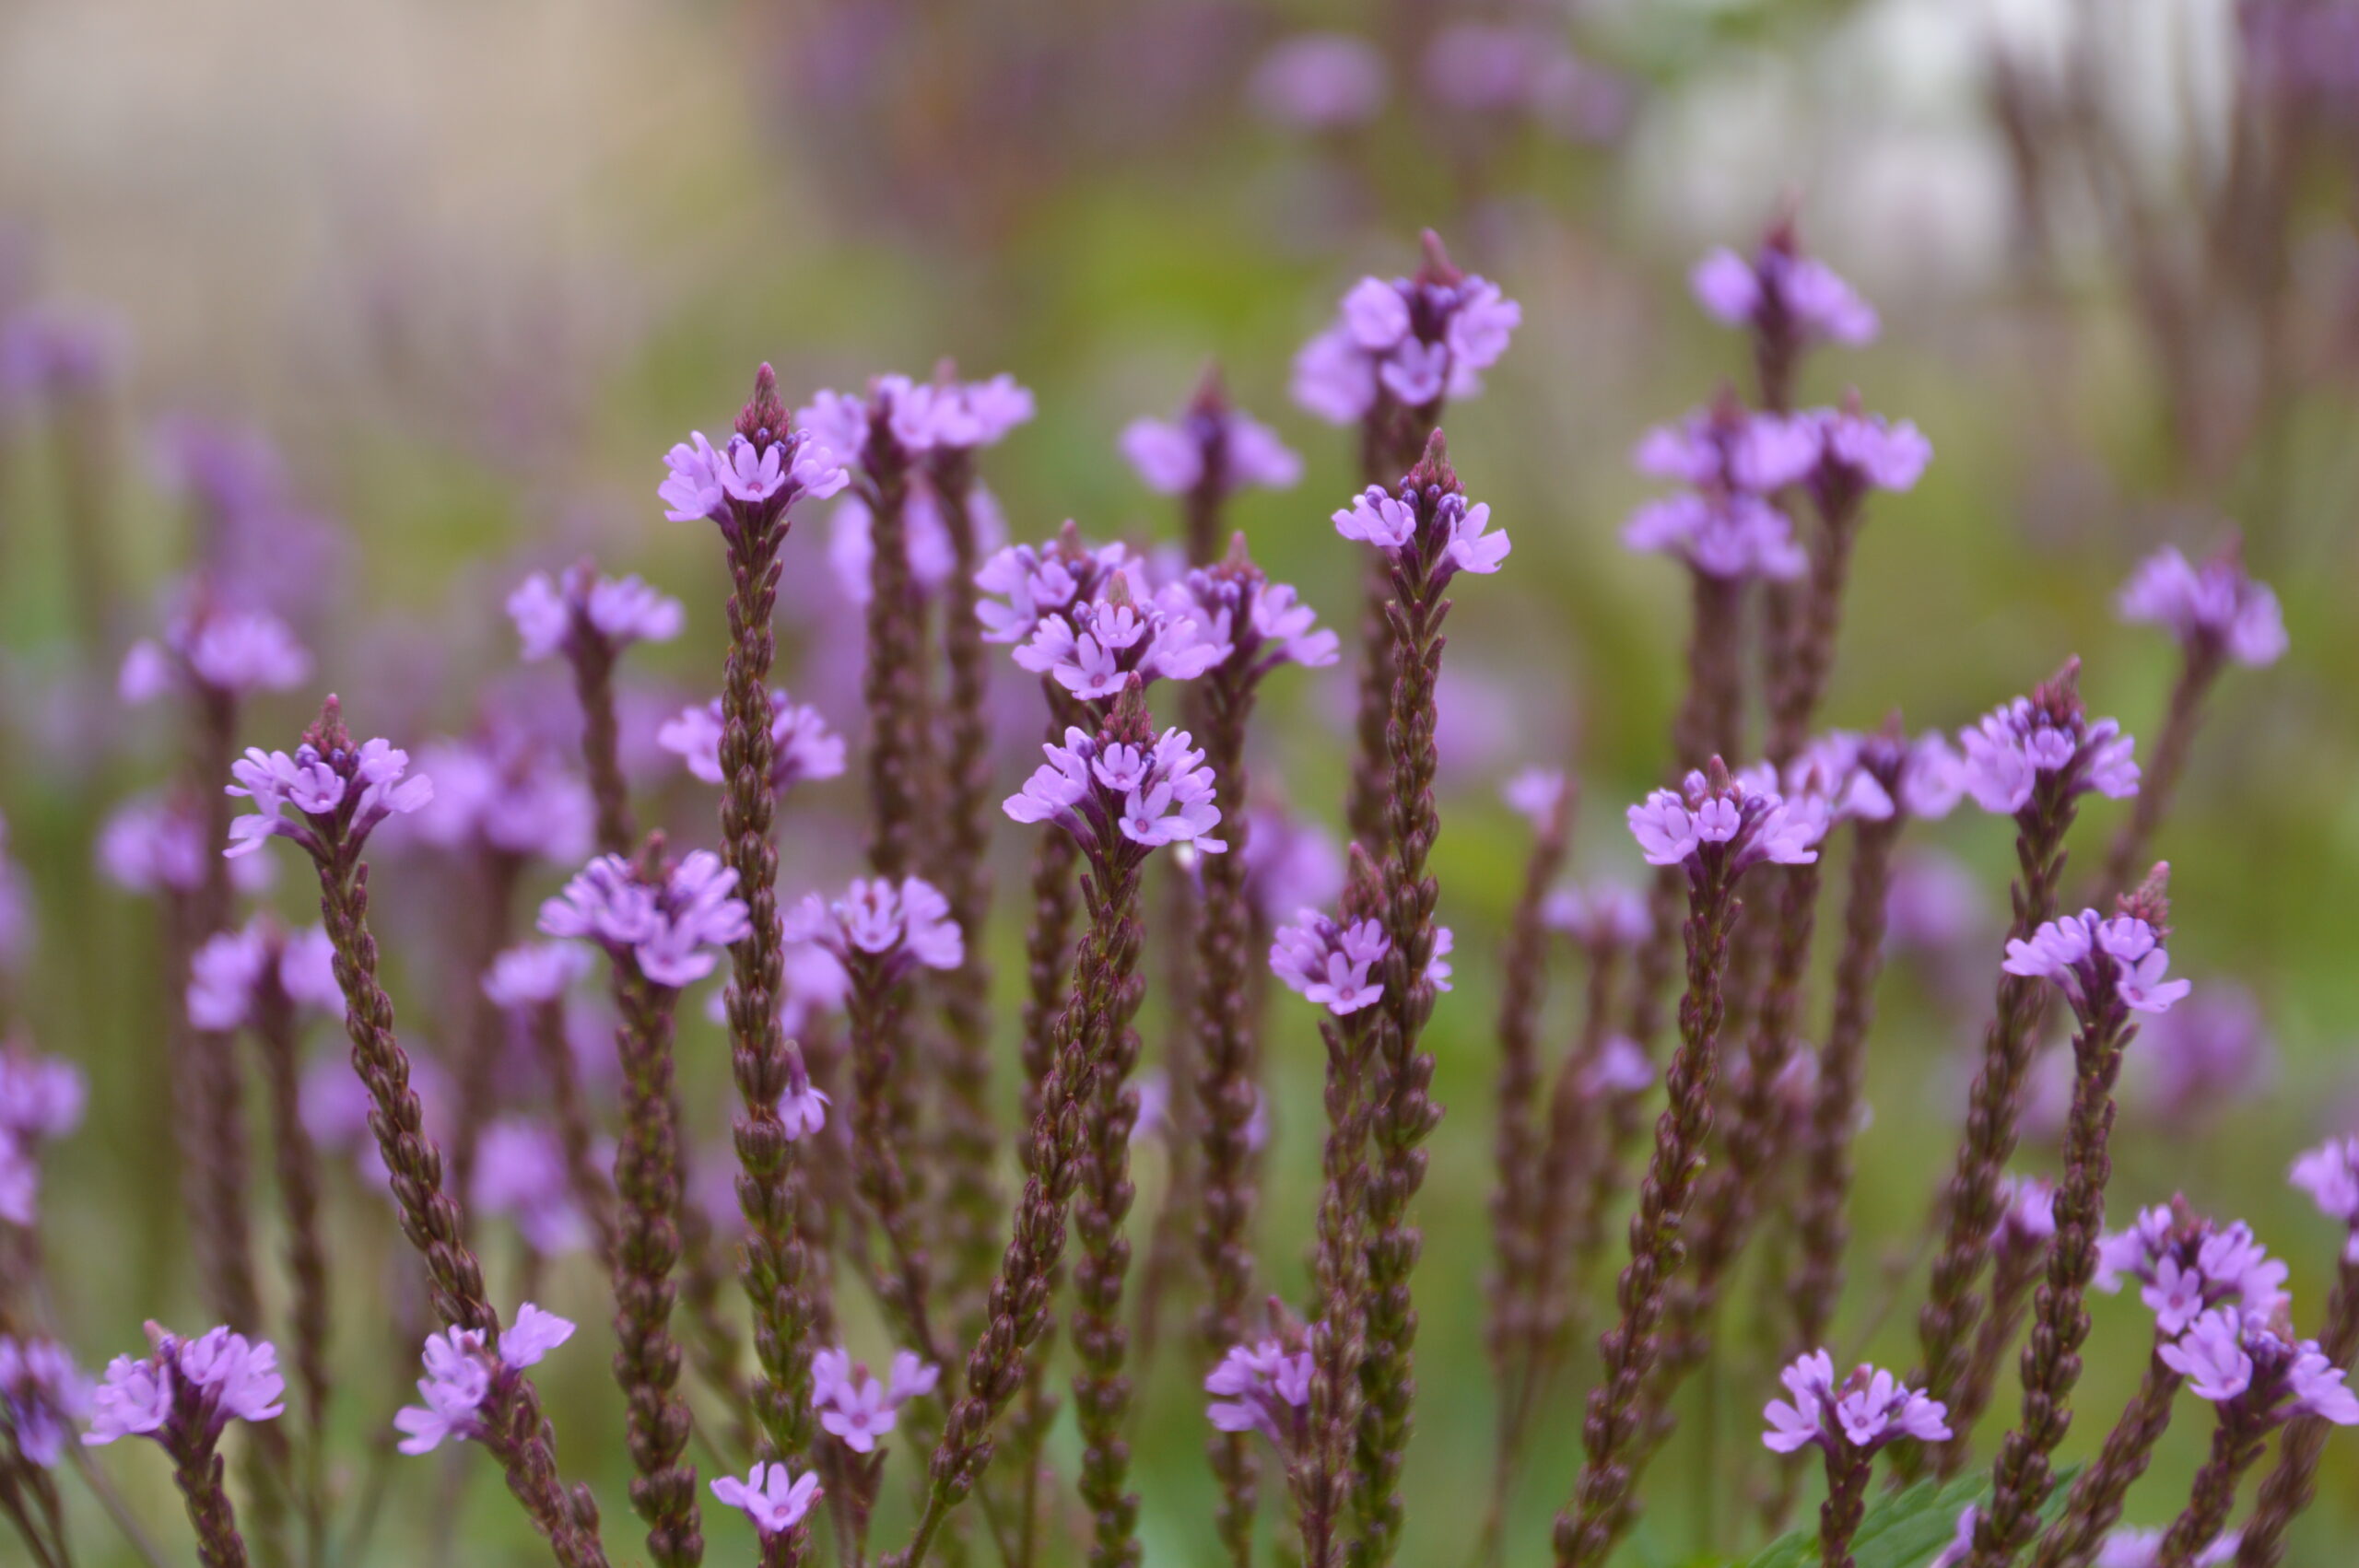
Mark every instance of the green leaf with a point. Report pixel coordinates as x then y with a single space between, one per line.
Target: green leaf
1902 1529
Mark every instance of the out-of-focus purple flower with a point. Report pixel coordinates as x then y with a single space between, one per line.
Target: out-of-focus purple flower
1318 81
1290 863
228 973
1729 534
1871 776
40 1101
1438 968
1739 821
767 467
1961 1547
668 927
1262 1388
190 1386
534 973
2202 1056
851 546
1330 962
53 350
1121 799
2330 1174
1863 452
1251 624
340 792
2027 1217
2214 606
859 1408
898 930
552 613
1173 457
1416 339
218 648
462 1375
1620 1067
1536 794
1781 292
519 1172
506 791
1935 905
770 1495
2096 960
1027 584
1726 446
43 1396
1868 1410
1603 915
2251 1359
914 417
2131 1547
802 746
2047 735
154 844
335 1109
2186 1266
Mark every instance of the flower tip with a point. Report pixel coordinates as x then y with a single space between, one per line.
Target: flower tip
1438 267
327 732
1129 723
1716 775
1433 469
1211 398
2150 901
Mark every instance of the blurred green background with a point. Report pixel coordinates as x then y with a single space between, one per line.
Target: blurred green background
475 266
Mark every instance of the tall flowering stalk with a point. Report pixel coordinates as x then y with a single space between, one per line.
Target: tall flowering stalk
1849 1422
1714 829
1256 625
2033 760
2108 970
1424 533
657 920
746 488
1208 454
183 1394
1119 794
2219 615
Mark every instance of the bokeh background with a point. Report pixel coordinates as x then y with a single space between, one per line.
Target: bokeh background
472 267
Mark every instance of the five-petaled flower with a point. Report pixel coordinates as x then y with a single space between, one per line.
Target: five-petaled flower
340 793
668 923
2098 961
1779 291
2330 1174
1209 441
1865 1412
859 1408
2250 1362
770 1495
1413 340
1329 961
2186 1266
2214 606
1729 822
217 649
1120 798
463 1375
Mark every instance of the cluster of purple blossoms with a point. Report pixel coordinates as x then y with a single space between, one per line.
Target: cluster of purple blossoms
916 416
2186 1266
506 791
1262 1388
462 1375
534 973
1606 914
803 747
1869 777
1413 339
1112 794
770 1495
1781 292
215 649
858 1408
40 1101
2026 1215
51 351
43 1396
342 794
1536 794
230 969
1318 81
1437 532
2330 1174
2250 1362
898 930
2096 959
1734 822
1291 862
1329 963
186 1390
1725 526
1243 616
2131 1547
2049 735
1031 583
2214 606
519 1172
156 844
2202 1056
1094 646
768 470
1867 1410
1173 457
553 615
668 927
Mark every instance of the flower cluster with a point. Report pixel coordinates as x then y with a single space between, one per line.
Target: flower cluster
1030 584
1212 439
1867 1410
1415 340
2251 1362
764 468
770 1495
558 615
2049 738
1248 620
340 793
1725 526
2214 606
156 844
2026 1216
1871 777
1262 1388
1094 646
463 1375
1124 797
185 1391
1605 915
43 1396
534 973
217 649
914 417
859 1408
1329 961
2098 961
803 747
1715 819
2131 1547
1426 526
2185 1267
228 973
520 1171
505 790
2330 1174
894 929
1780 292
667 922
40 1101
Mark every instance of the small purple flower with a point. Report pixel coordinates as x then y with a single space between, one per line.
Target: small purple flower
1172 458
506 791
1262 1388
1330 963
1290 862
1603 915
771 1496
2045 736
1251 624
218 650
2213 605
519 1172
462 1375
1781 291
1863 452
43 1396
668 927
227 974
1418 339
1723 534
2202 1056
1869 1410
859 1408
898 930
150 845
2133 1548
1737 820
341 793
1030 584
534 973
1536 794
2186 1266
1120 798
802 746
1728 447
909 418
1094 647
2330 1174
2098 961
1428 527
2251 1362
2026 1215
186 1387
54 351
1961 1547
766 467
1318 81
552 614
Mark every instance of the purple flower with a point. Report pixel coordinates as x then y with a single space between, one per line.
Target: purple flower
1290 862
51 351
1124 799
1094 647
858 1408
1536 794
1418 339
1330 963
2131 1547
1728 447
2026 1215
550 615
909 418
1863 452
1262 1388
1739 821
462 1375
2203 1056
186 1387
228 973
1038 582
152 844
219 649
2251 1361
1779 291
767 468
340 793
1426 528
1251 624
2099 961
1727 534
668 926
1869 1410
1604 915
1318 81
2213 605
2186 1266
506 791
1961 1547
43 1396
521 1172
2330 1174
2047 736
534 973
802 746
897 930
1172 458
771 1496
